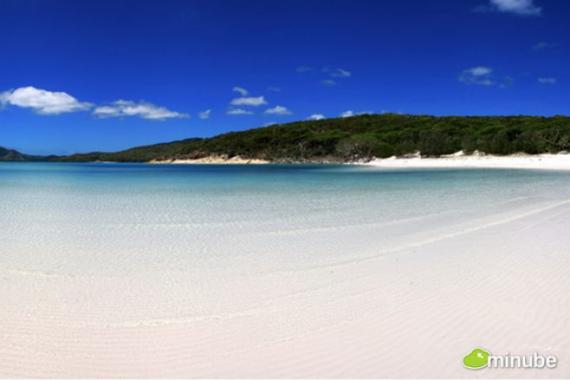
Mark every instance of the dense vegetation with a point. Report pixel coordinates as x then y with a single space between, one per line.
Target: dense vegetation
364 137
139 154
14 155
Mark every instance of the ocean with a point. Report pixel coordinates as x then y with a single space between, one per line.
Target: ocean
76 215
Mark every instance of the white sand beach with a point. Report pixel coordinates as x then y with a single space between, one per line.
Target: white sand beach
460 160
214 160
398 282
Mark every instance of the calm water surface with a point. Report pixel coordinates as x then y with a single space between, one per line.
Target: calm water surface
108 218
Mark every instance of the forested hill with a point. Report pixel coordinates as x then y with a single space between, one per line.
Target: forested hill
14 155
364 137
355 138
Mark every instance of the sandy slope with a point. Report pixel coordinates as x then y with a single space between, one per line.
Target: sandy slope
216 160
410 308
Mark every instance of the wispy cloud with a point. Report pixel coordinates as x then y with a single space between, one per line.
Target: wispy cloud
144 110
43 102
332 75
274 89
336 72
304 69
242 91
278 110
506 82
543 45
328 82
205 114
479 75
238 112
252 101
316 116
517 7
547 81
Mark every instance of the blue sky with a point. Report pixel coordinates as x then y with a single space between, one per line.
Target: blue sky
80 76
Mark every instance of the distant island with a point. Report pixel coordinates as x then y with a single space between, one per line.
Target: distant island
359 138
14 155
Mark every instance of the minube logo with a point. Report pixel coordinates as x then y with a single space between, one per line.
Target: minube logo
480 358
477 359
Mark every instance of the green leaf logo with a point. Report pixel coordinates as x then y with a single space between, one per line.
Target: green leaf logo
477 359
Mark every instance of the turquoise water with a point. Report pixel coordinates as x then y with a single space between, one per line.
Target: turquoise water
127 217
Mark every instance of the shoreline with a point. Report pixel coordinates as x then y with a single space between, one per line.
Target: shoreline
555 162
212 160
459 160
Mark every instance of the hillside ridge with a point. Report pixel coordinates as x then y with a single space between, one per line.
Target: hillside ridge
357 138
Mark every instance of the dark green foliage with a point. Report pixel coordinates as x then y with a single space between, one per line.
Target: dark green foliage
364 137
14 155
140 154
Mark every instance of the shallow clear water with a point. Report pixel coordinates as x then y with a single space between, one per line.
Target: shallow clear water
116 218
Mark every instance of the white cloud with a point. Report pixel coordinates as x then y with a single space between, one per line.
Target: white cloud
547 80
480 71
107 111
144 110
336 72
328 82
205 114
518 7
351 113
242 91
316 116
274 89
249 101
479 75
42 101
278 110
238 111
